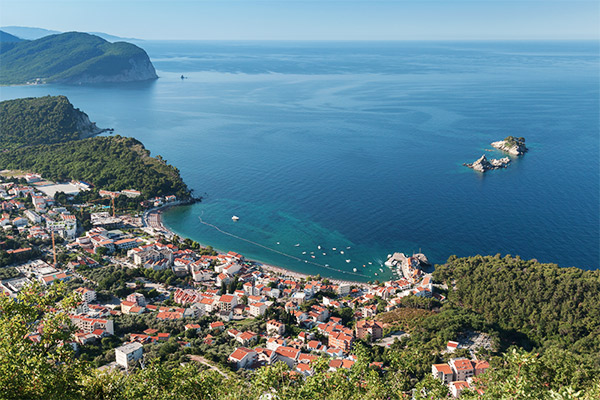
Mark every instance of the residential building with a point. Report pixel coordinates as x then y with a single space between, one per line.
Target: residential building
443 372
243 357
128 354
371 328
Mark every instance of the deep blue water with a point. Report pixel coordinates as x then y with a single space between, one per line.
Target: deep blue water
361 145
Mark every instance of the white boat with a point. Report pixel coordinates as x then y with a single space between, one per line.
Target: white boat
348 248
347 261
334 249
277 242
235 218
354 269
342 252
313 256
297 245
303 252
324 254
381 269
327 265
370 263
375 273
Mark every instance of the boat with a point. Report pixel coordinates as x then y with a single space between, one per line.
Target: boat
277 242
347 261
334 249
303 252
319 247
235 218
364 266
370 263
375 273
327 265
354 269
348 248
342 252
381 269
313 256
324 254
297 245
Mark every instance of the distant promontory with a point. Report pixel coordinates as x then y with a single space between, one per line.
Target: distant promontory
512 145
72 58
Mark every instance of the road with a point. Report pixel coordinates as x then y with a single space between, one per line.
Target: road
204 361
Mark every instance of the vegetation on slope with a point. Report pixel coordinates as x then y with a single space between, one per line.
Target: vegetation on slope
8 41
548 304
70 57
41 120
111 163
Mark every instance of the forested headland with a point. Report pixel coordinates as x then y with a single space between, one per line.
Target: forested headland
74 58
42 120
44 135
110 163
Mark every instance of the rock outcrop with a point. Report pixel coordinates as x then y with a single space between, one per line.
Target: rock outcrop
512 145
482 164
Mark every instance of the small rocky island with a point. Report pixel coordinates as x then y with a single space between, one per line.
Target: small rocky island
483 165
512 145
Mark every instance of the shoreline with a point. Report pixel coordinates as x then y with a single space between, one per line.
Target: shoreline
155 215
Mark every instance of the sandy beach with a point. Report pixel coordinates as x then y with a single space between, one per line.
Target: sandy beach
153 219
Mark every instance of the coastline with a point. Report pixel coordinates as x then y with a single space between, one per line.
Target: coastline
153 218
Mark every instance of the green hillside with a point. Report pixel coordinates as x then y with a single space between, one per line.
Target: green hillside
8 41
112 163
42 120
74 57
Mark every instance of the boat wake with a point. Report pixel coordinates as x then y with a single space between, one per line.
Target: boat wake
277 251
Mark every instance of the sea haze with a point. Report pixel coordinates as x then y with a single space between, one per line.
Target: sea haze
361 145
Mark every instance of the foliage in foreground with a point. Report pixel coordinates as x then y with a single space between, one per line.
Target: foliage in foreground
50 370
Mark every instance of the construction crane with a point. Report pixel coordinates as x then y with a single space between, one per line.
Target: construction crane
53 247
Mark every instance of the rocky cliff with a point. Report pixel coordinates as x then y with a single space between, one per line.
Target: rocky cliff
482 164
512 145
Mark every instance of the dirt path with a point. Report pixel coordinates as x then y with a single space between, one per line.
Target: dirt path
204 361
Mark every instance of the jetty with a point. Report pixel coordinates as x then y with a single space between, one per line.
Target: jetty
409 267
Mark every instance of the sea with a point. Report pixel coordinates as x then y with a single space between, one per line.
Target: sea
336 154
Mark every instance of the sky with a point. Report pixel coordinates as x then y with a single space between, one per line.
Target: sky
312 19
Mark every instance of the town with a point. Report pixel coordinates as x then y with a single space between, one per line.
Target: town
145 293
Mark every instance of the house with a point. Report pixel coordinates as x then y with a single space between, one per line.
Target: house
451 346
275 327
89 325
128 354
457 387
340 340
137 298
315 345
126 306
257 309
227 302
196 327
33 216
462 368
243 357
219 325
443 372
288 355
245 338
371 328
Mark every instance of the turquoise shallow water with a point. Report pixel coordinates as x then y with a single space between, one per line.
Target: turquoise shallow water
361 145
